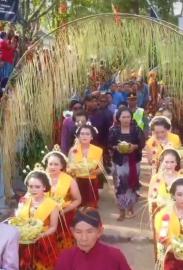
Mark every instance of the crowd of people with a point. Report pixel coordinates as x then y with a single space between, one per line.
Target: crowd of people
9 54
104 132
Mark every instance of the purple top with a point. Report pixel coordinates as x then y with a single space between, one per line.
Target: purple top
101 257
102 120
66 134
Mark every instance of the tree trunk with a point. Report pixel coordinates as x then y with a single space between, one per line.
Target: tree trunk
136 6
23 39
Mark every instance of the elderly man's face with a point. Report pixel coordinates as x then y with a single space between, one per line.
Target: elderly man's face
86 235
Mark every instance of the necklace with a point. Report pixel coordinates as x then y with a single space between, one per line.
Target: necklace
85 152
35 204
54 181
169 178
179 213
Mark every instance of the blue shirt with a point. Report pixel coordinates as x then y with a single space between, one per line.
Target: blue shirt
125 96
117 98
143 96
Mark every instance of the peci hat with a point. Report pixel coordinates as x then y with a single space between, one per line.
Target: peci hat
89 215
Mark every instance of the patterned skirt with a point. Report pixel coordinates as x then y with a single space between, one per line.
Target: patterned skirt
126 197
39 256
64 236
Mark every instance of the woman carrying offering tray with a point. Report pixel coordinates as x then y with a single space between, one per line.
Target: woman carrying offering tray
37 219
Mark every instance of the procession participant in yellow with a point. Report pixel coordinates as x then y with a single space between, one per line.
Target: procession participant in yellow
65 192
161 138
43 254
85 162
169 170
169 229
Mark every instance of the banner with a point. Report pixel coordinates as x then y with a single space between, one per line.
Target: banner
8 10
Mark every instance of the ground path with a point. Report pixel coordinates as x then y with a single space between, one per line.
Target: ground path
132 236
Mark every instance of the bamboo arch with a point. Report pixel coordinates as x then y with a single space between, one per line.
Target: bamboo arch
44 82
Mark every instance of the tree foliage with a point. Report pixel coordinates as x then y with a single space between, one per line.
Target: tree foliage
164 7
45 14
31 12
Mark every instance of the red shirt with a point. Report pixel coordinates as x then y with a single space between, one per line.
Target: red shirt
7 52
101 257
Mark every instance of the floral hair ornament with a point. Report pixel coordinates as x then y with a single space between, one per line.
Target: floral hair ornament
37 168
89 124
159 117
56 150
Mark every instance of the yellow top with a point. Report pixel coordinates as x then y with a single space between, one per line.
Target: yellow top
159 190
156 147
173 141
61 194
173 224
42 212
94 158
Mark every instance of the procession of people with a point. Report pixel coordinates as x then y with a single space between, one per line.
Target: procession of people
105 132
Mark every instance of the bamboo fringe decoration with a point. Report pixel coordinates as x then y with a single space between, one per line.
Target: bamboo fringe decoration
47 78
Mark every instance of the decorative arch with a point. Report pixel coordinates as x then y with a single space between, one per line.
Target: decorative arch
46 78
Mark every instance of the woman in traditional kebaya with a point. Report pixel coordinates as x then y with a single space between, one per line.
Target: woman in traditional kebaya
65 192
159 187
126 164
43 254
169 229
85 163
161 138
